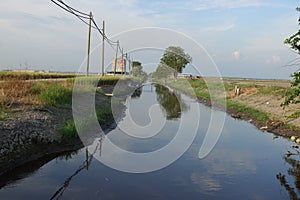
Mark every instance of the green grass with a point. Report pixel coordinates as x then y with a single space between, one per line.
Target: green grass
272 90
201 91
33 75
259 115
55 95
95 80
3 113
102 112
68 130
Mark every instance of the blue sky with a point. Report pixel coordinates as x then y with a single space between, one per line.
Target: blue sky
244 38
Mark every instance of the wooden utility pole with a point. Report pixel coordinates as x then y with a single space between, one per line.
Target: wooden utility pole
126 57
129 65
103 38
89 45
122 61
116 60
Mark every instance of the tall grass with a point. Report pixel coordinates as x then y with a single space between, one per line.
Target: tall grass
55 95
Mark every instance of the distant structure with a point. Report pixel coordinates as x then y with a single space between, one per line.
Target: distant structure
119 67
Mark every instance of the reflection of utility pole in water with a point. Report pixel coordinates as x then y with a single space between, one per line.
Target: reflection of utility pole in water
85 165
86 158
100 142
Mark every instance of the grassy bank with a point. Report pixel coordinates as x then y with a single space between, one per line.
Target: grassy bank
258 100
18 94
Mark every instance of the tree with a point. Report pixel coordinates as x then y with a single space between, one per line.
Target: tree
176 58
137 71
293 96
137 68
162 72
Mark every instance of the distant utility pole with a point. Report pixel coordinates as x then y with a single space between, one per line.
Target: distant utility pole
89 45
126 56
122 61
103 38
129 64
116 60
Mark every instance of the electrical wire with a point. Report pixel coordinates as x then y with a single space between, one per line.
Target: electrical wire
82 17
73 8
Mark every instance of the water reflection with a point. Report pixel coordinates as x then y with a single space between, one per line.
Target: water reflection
137 93
85 165
171 102
294 172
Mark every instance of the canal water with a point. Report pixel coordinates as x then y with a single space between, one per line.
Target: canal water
245 163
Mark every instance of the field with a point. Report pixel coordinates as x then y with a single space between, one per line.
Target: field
33 75
18 94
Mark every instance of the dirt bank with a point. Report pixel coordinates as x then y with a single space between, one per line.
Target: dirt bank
258 102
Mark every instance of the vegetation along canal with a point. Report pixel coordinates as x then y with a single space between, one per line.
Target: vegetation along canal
245 162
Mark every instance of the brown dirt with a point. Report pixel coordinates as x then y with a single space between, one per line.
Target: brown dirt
268 103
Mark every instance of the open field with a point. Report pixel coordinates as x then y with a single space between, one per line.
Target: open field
33 75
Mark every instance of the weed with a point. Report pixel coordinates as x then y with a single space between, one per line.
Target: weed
55 95
69 130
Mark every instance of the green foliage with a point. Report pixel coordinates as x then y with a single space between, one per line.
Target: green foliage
176 58
55 95
162 72
294 40
293 97
68 130
137 68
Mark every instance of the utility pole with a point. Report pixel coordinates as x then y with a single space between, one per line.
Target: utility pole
116 60
122 61
129 64
89 46
126 56
103 38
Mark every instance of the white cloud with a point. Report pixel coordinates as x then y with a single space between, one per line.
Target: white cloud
226 4
273 60
236 55
220 28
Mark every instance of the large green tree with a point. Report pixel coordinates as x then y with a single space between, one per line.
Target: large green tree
293 96
176 58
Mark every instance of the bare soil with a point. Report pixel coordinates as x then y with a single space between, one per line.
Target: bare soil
268 103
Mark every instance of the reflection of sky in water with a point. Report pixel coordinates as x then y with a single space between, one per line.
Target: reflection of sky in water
243 165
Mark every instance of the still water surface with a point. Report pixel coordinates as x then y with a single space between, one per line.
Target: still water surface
246 163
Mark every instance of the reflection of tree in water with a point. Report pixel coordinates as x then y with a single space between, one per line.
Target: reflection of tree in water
137 93
294 171
171 102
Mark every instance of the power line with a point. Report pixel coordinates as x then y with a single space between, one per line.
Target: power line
70 10
82 16
73 8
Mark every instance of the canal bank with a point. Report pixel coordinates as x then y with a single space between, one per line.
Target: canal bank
258 101
32 131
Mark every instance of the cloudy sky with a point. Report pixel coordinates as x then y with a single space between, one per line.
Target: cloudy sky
241 38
